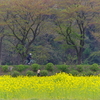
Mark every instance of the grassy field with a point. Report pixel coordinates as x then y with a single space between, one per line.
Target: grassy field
57 87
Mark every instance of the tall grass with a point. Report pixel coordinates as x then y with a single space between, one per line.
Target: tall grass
57 87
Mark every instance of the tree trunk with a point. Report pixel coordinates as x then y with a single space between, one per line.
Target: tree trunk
79 55
0 51
79 59
1 38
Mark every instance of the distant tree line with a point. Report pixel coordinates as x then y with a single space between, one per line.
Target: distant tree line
58 32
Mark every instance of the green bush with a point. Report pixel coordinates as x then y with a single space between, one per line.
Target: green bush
88 73
63 68
74 72
5 68
15 74
94 67
35 67
79 68
49 66
1 66
21 67
30 73
43 72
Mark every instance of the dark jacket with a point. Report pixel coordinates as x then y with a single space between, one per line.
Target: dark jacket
29 57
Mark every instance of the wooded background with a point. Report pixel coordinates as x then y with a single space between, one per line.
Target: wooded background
56 31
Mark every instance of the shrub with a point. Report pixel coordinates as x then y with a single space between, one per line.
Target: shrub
21 67
30 73
79 68
63 68
94 67
5 68
35 67
1 65
74 72
15 74
49 66
88 73
44 73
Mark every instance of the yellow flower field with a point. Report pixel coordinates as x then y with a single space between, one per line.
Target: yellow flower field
58 87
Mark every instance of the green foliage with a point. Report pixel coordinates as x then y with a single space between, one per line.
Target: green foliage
71 59
40 53
94 67
87 51
5 68
21 67
43 72
79 68
74 72
94 57
49 66
35 67
15 74
96 53
30 73
63 68
88 73
0 65
20 48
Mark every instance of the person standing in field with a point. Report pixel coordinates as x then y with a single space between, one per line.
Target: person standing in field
38 72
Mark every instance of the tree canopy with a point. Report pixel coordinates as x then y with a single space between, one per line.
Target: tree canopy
49 25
